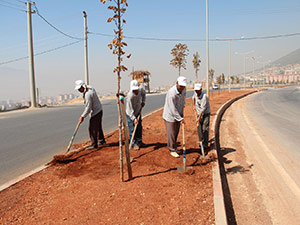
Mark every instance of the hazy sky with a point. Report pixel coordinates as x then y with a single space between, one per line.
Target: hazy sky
56 71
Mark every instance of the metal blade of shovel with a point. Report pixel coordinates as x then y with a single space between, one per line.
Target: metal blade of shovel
203 156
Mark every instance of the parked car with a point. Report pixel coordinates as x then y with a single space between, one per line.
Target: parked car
216 87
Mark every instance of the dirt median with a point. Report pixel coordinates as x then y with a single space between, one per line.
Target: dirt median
88 190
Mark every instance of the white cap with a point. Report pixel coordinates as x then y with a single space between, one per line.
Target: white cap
78 84
197 86
134 85
181 81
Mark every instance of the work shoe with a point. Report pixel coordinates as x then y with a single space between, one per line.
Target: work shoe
142 144
174 154
136 147
179 151
102 142
91 147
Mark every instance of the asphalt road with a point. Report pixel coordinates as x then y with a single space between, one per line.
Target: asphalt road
260 153
277 111
30 138
273 119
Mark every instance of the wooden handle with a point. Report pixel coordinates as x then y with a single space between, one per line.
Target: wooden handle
73 136
134 130
183 137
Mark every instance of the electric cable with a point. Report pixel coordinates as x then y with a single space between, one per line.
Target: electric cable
67 35
41 53
7 2
20 1
145 38
15 8
223 39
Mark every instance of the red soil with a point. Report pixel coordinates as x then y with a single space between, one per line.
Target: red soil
87 189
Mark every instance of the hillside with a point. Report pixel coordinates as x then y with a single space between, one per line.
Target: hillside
291 58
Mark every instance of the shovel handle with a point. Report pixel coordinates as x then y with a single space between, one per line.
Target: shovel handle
202 148
183 146
73 136
134 130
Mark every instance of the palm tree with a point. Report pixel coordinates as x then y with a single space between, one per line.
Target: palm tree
196 64
180 52
232 79
211 74
223 78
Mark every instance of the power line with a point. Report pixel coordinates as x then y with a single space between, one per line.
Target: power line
223 39
15 8
160 39
20 1
7 2
272 36
69 36
36 42
41 53
101 34
146 38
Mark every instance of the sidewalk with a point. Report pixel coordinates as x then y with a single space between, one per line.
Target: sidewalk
88 190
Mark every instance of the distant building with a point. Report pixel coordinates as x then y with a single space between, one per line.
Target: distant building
71 96
60 98
142 76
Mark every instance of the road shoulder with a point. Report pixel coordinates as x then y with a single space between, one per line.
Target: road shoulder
257 192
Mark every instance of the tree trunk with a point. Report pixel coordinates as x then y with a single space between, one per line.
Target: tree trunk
119 107
118 102
120 132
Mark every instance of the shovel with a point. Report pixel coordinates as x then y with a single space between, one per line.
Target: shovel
203 156
182 169
134 130
72 138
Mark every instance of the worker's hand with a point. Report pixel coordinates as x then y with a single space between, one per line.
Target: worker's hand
136 122
143 104
182 122
198 120
80 120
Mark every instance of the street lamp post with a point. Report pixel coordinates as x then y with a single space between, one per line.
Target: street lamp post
207 51
264 72
245 56
229 74
229 57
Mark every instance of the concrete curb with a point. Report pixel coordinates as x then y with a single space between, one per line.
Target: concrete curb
21 177
219 204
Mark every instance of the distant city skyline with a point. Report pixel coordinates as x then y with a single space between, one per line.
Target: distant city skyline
56 71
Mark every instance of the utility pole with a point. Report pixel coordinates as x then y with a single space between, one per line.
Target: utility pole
207 51
86 49
229 57
229 74
244 71
245 57
253 68
31 56
38 96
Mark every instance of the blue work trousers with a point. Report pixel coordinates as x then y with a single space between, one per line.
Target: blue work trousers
138 133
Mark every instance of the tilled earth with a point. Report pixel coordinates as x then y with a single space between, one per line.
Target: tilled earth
88 190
